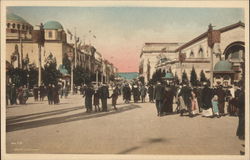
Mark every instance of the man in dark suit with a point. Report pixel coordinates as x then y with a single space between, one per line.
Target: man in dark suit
104 94
158 96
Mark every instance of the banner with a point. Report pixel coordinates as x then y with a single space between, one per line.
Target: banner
213 37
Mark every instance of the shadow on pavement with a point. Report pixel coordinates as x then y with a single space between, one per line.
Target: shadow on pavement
64 119
40 115
148 143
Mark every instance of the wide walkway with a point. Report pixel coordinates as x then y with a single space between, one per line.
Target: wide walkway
132 129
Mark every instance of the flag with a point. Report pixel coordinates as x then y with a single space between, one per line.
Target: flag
89 31
94 36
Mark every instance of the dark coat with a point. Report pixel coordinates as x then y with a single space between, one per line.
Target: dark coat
126 93
88 96
151 92
221 94
136 94
207 95
104 92
168 101
186 95
159 92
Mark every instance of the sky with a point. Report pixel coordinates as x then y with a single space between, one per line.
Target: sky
122 31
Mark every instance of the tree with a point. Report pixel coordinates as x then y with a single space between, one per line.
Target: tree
82 76
18 76
50 75
184 77
203 76
193 77
67 63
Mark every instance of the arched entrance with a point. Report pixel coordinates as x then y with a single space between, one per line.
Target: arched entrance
235 53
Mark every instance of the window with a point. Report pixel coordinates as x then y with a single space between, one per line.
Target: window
201 53
13 25
191 54
18 26
23 27
50 34
8 25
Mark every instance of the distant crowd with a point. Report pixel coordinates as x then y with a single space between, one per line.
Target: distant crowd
190 101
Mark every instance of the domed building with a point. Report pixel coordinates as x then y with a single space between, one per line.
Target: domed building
53 31
17 27
223 73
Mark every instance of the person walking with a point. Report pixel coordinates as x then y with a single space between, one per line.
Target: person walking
215 106
168 100
50 94
13 94
35 92
136 93
25 94
194 104
221 99
158 96
185 92
114 97
56 99
126 93
88 94
151 93
207 95
241 114
143 91
20 95
42 91
104 94
97 100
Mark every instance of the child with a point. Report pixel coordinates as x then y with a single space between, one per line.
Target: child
215 106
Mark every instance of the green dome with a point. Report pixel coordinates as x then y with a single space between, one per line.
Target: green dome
169 75
53 25
223 66
16 18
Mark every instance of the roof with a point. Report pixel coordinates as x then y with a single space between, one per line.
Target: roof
160 47
223 66
53 25
16 18
204 35
128 75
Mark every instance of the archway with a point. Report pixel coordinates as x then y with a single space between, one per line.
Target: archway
235 53
234 50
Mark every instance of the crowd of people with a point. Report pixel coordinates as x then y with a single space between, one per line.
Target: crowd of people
191 101
19 95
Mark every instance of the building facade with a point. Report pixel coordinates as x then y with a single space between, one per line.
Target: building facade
228 46
22 44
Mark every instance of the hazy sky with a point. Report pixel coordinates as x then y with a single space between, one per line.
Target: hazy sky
121 31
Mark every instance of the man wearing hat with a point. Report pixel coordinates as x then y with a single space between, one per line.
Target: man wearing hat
104 94
158 96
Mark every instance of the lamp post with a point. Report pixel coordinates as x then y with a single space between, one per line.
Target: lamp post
70 57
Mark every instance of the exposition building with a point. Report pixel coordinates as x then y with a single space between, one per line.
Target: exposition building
227 45
21 45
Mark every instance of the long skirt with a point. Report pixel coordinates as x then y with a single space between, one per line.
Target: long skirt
182 104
